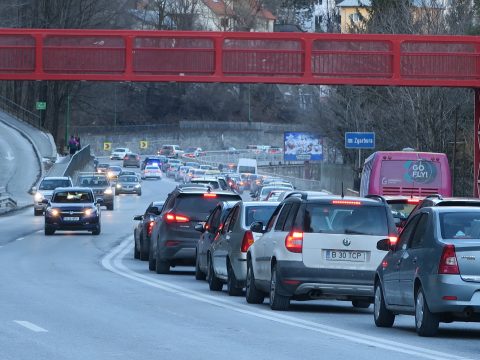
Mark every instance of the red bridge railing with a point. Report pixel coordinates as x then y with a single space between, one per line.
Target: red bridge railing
288 58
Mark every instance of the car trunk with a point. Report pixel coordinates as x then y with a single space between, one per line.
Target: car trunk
468 257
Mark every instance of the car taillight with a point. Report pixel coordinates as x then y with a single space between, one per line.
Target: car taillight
392 239
150 228
174 218
413 201
294 241
448 261
247 241
209 195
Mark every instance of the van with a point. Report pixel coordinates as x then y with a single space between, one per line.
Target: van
248 166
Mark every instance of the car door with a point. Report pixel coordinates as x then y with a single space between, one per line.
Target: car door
391 265
410 261
207 236
216 252
221 246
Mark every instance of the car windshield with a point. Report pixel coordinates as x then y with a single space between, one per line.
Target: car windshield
258 213
460 225
105 166
119 150
345 219
128 179
52 184
197 207
72 197
115 168
266 190
89 181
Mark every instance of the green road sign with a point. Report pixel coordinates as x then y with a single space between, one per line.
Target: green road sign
41 105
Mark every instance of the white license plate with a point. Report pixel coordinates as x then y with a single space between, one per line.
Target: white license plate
346 255
71 218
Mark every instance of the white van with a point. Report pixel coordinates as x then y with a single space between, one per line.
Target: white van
247 166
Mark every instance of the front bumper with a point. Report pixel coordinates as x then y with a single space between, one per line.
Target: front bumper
297 280
85 223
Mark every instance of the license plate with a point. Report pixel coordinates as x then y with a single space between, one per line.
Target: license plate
71 218
346 255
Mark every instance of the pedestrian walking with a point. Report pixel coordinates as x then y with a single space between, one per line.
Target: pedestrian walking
77 139
72 145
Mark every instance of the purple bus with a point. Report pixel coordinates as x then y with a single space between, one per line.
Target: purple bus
406 173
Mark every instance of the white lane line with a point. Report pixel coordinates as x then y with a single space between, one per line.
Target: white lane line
113 262
30 326
20 239
40 231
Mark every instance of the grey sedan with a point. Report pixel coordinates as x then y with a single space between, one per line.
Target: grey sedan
128 184
433 272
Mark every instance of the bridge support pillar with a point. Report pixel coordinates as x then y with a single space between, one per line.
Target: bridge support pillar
476 155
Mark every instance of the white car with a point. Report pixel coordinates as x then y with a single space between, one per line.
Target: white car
119 153
45 191
318 246
151 171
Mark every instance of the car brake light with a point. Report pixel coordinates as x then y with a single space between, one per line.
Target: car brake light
346 202
174 218
150 228
247 241
413 201
294 241
448 261
209 195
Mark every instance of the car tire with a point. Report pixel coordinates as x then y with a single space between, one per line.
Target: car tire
382 316
199 274
49 231
361 304
37 212
277 301
232 288
143 254
252 294
214 283
162 266
139 193
426 323
136 253
151 261
97 230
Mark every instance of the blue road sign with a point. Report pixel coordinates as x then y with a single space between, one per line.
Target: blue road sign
360 140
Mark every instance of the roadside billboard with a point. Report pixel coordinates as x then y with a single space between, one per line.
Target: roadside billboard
302 146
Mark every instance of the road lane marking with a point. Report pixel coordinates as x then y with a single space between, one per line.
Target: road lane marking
20 239
113 261
30 326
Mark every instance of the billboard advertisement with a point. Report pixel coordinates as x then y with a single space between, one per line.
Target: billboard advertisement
302 146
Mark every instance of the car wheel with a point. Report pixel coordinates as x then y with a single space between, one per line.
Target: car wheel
151 261
37 212
232 288
199 274
162 266
252 294
214 283
139 193
49 230
143 253
110 207
382 316
426 323
97 230
277 301
361 304
136 253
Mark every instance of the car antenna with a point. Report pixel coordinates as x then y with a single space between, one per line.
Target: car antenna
343 195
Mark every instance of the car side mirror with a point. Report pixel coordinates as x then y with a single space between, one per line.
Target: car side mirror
99 201
385 245
138 218
199 227
45 201
257 227
34 189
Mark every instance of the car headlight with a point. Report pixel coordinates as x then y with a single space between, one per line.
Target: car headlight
110 174
137 186
38 196
108 191
53 212
119 186
89 212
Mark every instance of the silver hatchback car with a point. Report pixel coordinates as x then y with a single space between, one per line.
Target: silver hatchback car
227 260
433 272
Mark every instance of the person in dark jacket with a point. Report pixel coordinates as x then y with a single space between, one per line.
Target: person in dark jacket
72 145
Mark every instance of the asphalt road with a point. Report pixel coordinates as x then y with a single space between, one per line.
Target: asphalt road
78 296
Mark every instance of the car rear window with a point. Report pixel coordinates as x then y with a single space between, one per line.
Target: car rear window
197 207
460 225
258 213
345 219
53 184
213 184
401 210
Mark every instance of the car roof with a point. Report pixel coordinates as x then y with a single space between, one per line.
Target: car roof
74 188
317 196
437 200
56 178
203 178
196 190
260 203
447 209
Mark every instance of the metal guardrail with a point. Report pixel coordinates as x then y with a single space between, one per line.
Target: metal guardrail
20 112
6 202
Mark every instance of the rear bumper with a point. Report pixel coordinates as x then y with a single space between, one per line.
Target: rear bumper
178 246
297 280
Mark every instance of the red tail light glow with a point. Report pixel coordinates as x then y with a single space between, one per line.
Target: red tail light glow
448 261
346 202
413 201
247 241
150 228
294 241
174 218
209 195
393 240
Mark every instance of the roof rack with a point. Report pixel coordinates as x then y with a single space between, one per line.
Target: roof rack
302 194
438 196
377 197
